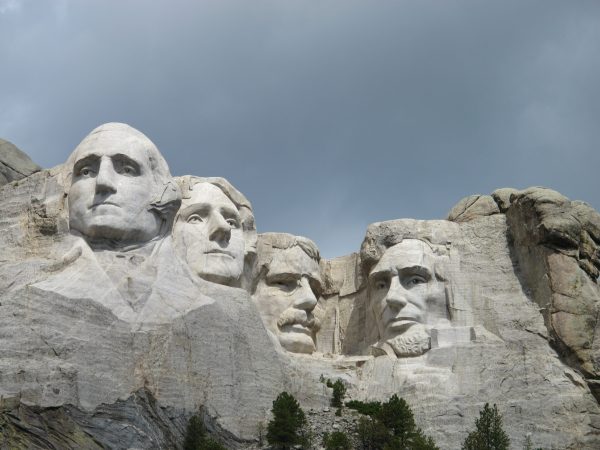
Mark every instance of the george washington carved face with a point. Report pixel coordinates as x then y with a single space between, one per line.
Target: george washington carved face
117 175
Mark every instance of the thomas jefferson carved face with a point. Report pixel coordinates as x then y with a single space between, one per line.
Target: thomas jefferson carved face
286 295
115 179
406 297
209 233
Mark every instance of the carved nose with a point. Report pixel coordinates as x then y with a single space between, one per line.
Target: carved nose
105 179
220 230
306 299
396 296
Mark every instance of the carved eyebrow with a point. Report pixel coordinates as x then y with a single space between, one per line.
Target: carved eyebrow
380 273
316 280
281 275
416 270
232 212
189 210
121 158
89 159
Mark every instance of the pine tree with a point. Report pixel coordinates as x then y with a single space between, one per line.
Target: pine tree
284 431
194 433
488 434
336 441
397 417
372 434
196 438
390 427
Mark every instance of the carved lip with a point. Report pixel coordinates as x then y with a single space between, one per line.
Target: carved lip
95 205
401 322
297 328
216 251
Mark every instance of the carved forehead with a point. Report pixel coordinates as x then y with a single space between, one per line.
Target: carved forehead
293 260
206 193
116 138
408 253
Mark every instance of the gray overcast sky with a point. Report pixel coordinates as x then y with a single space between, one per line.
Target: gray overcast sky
329 115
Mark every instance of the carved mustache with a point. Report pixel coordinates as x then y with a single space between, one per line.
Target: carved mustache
292 316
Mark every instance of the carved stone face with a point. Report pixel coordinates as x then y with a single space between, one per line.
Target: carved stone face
209 232
112 187
405 295
286 296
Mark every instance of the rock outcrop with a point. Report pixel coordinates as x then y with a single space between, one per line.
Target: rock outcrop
14 164
114 332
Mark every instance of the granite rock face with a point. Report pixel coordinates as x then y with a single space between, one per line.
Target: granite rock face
125 311
14 164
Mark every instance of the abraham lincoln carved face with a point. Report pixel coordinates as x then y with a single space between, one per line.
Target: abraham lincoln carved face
407 296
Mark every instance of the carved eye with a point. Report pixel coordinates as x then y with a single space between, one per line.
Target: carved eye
415 280
86 171
128 170
194 218
285 285
233 223
382 283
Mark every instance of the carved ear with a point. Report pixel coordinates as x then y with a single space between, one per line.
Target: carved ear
249 229
168 199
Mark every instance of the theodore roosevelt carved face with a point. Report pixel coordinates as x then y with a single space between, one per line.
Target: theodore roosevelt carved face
214 229
407 296
117 184
286 289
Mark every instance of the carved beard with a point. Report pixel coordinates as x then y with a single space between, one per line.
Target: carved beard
414 342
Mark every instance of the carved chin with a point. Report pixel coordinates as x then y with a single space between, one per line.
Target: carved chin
111 224
412 343
220 269
296 342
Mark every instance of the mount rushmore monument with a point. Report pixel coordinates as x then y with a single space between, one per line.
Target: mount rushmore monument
131 299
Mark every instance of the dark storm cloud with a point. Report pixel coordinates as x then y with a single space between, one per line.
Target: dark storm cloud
328 115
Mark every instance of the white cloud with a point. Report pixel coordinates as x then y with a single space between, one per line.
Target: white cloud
7 6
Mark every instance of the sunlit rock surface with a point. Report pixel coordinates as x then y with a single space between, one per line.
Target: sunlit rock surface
98 335
14 164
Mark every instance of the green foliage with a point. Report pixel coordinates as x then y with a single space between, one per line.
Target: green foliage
339 392
372 434
196 438
210 444
366 408
397 417
390 426
422 442
336 441
285 430
488 434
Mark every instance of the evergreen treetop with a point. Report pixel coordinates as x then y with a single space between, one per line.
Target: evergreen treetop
488 434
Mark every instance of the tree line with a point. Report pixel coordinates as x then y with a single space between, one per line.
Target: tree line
386 425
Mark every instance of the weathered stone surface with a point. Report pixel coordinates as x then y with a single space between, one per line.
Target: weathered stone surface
14 164
502 197
138 422
112 334
472 207
557 247
495 348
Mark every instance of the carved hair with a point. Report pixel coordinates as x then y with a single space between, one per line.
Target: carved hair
376 244
187 183
269 243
